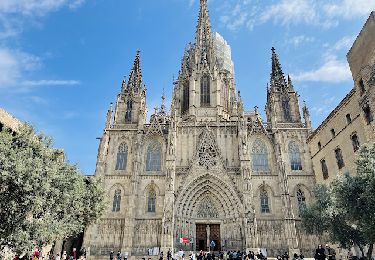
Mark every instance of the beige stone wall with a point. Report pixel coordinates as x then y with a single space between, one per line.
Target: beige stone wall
8 120
361 58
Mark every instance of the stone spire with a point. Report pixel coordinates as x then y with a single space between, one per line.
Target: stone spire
306 116
135 82
290 84
277 76
203 36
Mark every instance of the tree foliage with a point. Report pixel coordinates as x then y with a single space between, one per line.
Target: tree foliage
346 209
42 197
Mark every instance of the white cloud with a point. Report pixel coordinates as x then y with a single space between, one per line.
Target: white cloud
14 64
349 9
300 39
321 13
332 70
290 12
47 82
344 43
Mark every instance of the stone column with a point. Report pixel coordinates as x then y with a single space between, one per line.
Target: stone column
208 236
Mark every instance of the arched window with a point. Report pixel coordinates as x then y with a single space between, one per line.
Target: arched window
264 206
260 156
151 201
301 200
122 157
185 98
294 157
355 142
153 159
128 113
205 91
286 109
116 201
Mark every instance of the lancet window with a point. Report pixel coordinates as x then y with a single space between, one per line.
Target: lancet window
151 201
301 200
205 91
286 109
260 156
153 157
116 201
264 205
185 98
122 157
295 157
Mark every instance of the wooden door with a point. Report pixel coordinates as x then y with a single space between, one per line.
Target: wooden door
201 237
215 236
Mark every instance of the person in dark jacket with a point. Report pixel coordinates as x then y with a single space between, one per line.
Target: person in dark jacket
330 253
319 253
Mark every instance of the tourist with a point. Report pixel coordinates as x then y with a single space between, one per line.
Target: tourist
111 255
330 253
57 256
169 254
295 257
285 256
301 257
319 253
119 255
64 255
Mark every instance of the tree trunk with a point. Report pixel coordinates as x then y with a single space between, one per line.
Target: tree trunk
369 251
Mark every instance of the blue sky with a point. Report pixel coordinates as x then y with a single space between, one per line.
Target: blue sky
62 62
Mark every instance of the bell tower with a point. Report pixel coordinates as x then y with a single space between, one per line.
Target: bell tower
131 101
205 86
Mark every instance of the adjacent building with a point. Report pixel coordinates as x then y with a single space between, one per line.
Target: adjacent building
334 144
207 170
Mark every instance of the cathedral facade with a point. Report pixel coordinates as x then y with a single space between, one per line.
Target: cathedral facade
207 170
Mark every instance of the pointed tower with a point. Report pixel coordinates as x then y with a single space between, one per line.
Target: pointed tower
131 101
205 86
282 101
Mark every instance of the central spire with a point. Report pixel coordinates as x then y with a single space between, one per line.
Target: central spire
135 78
203 37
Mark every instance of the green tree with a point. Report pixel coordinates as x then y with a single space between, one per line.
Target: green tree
42 197
346 209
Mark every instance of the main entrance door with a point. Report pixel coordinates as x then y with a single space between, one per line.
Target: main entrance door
202 232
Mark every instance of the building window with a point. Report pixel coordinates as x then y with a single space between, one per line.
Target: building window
185 98
333 133
205 91
122 157
368 114
339 158
348 118
319 145
295 157
264 206
151 201
323 164
355 142
286 109
128 113
116 201
260 156
362 88
153 159
301 200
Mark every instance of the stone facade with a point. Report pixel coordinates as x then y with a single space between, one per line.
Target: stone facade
207 169
351 123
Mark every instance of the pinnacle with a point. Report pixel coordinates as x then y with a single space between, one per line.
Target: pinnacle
135 77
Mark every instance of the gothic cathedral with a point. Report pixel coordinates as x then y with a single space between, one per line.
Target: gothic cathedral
206 170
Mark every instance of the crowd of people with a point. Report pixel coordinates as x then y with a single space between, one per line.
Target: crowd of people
37 255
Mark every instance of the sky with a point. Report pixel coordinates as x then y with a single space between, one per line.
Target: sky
62 61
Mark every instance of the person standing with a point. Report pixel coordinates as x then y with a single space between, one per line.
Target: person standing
330 253
111 255
57 257
319 253
169 254
119 255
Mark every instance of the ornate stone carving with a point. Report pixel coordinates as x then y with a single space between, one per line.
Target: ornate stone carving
207 210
